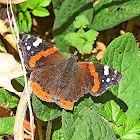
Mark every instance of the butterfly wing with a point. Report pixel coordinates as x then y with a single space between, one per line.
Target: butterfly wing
35 51
104 76
55 78
63 83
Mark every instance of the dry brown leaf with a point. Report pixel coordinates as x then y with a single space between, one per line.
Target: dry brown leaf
20 115
99 56
99 50
27 137
27 126
4 31
13 1
9 69
101 46
122 32
5 112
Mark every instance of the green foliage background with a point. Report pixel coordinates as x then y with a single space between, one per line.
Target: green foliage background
114 115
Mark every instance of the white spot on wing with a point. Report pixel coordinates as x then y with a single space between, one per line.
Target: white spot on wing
28 37
107 80
115 71
37 42
106 70
32 52
28 48
102 80
25 43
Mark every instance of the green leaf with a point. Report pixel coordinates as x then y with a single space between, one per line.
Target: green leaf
82 41
29 20
65 17
40 12
16 8
113 113
21 80
7 125
84 123
94 59
24 26
23 6
77 39
24 22
8 99
68 55
91 35
111 13
123 55
44 3
80 22
56 5
32 4
130 130
20 16
2 47
57 135
137 20
105 2
45 112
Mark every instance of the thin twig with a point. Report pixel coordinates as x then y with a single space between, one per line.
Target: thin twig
23 67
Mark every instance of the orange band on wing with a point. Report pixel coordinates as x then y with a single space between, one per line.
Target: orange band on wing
47 97
39 55
40 93
66 104
95 75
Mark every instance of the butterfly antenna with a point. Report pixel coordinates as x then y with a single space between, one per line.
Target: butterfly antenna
87 45
70 35
17 38
75 52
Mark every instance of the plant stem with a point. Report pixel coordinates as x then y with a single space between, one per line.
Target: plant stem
39 127
49 128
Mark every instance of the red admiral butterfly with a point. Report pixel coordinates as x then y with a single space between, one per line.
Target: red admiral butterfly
55 78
